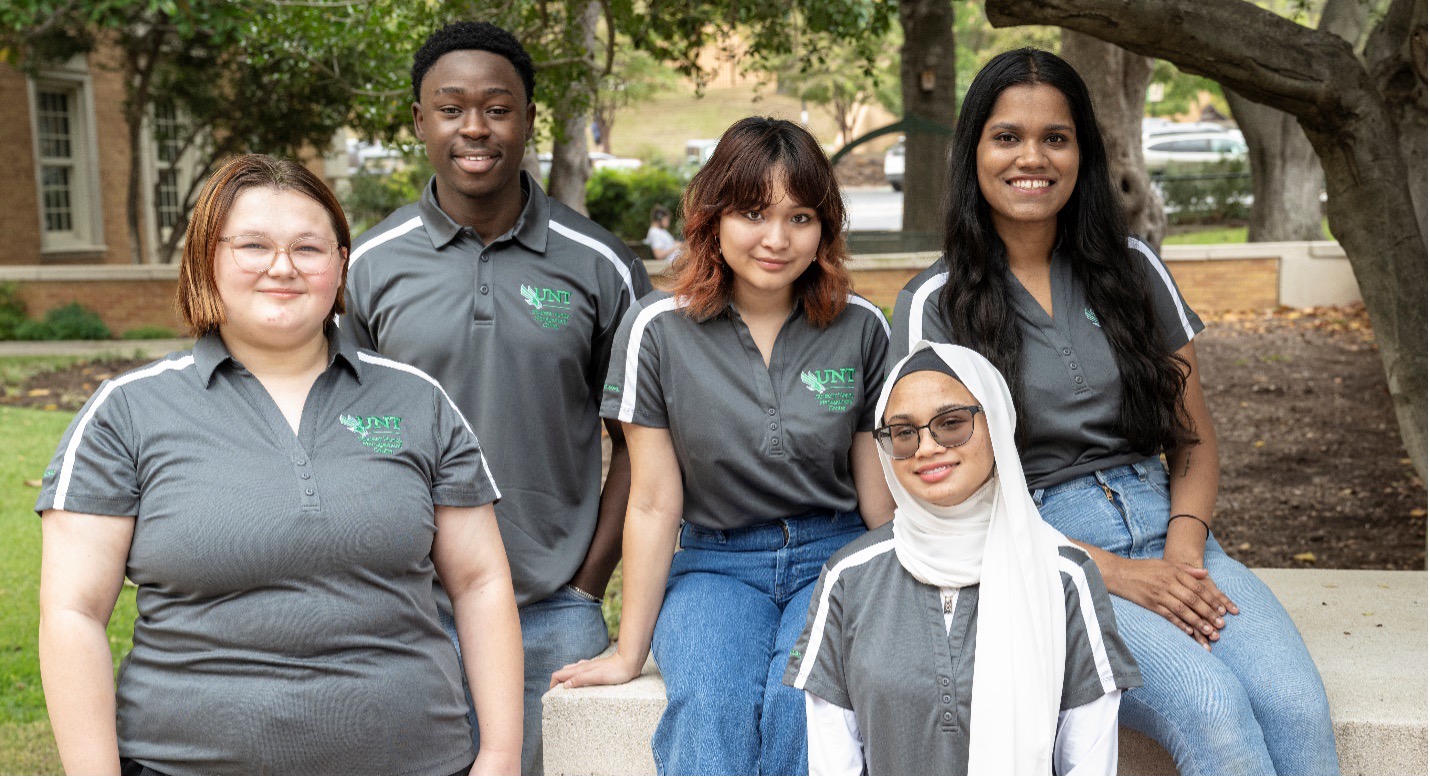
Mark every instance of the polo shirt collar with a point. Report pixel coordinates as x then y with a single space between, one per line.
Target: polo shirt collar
530 229
729 311
210 352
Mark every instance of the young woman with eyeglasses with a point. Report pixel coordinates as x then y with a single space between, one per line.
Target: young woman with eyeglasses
284 503
1039 276
968 636
747 396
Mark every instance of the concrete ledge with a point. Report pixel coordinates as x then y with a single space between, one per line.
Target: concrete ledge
1365 629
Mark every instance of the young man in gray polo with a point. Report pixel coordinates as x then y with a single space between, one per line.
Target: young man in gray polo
511 301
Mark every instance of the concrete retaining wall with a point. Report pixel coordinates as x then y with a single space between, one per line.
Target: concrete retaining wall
1225 277
1366 631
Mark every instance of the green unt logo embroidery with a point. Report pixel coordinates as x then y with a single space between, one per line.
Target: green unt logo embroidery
380 434
834 387
549 307
1091 317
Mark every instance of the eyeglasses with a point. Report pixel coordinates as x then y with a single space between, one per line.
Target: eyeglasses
949 429
257 253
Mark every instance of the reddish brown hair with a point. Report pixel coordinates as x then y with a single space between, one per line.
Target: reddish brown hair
198 299
739 177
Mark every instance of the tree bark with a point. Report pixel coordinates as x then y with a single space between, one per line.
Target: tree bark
1117 80
1286 177
927 60
1359 119
1285 174
570 154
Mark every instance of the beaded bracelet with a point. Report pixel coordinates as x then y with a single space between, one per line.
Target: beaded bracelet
1192 516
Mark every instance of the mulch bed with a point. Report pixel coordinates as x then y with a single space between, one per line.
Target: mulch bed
1313 474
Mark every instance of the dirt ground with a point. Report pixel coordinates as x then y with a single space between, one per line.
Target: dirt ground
1313 473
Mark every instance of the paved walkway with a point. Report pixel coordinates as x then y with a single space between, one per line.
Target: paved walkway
153 348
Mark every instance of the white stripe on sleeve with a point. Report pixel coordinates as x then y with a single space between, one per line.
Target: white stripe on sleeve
633 354
1133 243
396 232
405 368
604 250
862 303
916 307
1090 622
62 485
821 615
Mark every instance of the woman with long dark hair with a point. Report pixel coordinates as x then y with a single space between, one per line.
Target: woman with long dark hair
747 395
1040 276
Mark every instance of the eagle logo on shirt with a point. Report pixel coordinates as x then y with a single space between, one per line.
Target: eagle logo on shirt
834 387
550 308
380 434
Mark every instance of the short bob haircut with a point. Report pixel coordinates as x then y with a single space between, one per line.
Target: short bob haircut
198 299
740 176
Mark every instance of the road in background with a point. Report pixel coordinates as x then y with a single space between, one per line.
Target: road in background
874 209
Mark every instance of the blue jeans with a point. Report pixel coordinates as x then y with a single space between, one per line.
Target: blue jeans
735 603
1254 704
561 629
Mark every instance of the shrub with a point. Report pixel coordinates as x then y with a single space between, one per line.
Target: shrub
1208 193
72 322
148 333
374 195
621 200
12 311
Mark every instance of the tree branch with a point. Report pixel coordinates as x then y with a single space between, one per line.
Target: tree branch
1227 42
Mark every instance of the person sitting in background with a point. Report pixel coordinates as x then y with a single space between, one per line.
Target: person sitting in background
662 244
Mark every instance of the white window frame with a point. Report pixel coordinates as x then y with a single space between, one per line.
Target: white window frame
86 233
186 169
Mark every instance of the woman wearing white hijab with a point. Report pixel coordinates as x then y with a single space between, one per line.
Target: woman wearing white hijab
968 567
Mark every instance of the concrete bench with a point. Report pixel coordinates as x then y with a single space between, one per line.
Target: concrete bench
1365 629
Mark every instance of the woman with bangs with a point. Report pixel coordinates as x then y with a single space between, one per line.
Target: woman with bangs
747 394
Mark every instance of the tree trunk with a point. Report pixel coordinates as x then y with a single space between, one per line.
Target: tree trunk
570 155
1366 123
1286 177
1117 80
1285 174
930 79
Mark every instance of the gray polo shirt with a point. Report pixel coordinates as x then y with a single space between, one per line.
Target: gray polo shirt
875 643
1072 389
755 443
519 332
286 622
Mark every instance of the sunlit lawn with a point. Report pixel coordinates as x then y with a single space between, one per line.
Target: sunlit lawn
26 746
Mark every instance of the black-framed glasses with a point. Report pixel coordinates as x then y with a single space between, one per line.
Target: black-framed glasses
256 253
949 429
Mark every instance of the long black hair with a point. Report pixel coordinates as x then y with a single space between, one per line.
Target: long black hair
1092 231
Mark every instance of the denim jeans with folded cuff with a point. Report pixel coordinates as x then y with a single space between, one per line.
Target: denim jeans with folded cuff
1254 704
562 629
735 603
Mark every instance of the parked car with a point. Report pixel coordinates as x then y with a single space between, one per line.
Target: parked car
1159 151
1153 126
894 166
698 151
599 160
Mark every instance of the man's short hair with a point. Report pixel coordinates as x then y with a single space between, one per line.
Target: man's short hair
474 36
658 213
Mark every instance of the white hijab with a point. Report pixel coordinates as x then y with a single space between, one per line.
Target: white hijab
995 538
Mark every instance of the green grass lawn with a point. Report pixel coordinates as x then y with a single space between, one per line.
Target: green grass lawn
26 746
663 125
1207 235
